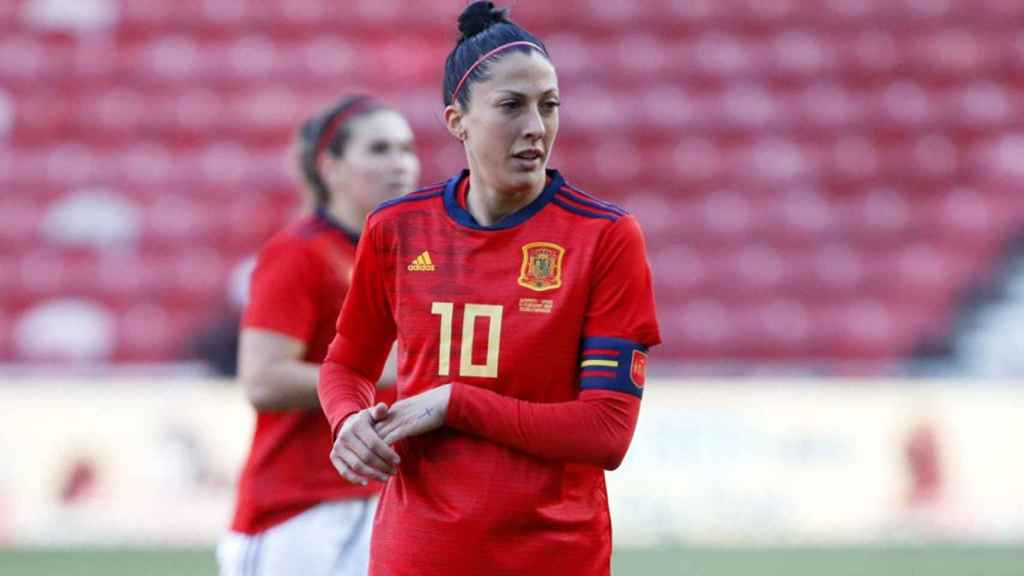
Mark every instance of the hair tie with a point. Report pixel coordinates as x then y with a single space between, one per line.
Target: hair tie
458 87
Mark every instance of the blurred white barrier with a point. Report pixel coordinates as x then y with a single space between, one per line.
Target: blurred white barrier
823 463
711 463
119 462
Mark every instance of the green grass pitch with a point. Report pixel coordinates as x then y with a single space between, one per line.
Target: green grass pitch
903 561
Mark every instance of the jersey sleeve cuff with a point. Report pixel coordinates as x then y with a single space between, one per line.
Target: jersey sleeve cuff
454 416
337 423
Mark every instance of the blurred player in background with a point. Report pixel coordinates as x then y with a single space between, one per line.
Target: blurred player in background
523 310
294 515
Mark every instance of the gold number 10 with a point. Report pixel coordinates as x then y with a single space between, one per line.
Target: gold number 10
446 310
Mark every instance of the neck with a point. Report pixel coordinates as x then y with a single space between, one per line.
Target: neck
489 205
346 213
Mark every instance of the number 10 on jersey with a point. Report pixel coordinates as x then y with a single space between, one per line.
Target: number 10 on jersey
470 312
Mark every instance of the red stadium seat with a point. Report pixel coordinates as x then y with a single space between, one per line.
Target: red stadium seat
41 274
745 106
19 224
145 332
956 51
801 216
970 217
698 159
118 110
144 165
778 329
1001 158
573 53
696 13
29 58
902 103
640 54
703 327
775 159
329 57
25 168
982 103
856 161
836 270
155 331
870 329
173 58
876 215
151 13
870 51
801 54
759 268
726 56
43 117
827 106
682 270
301 15
182 221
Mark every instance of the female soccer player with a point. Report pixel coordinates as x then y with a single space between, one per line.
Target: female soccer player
523 311
294 515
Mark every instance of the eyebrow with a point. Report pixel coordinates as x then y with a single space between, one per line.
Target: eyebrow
548 92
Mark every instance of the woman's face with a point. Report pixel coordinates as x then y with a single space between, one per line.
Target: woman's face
510 127
378 162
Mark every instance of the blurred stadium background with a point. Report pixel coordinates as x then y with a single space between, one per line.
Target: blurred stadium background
832 193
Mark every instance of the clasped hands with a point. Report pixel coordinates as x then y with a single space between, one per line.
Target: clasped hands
362 449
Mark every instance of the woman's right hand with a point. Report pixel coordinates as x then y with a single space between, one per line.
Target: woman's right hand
359 453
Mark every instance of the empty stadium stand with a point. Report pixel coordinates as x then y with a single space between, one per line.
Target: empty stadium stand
819 180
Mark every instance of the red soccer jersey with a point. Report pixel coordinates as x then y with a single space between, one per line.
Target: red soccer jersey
297 289
543 321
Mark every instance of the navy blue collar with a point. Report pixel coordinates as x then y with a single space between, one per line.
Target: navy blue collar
325 217
462 216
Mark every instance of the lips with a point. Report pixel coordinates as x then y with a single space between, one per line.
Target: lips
532 154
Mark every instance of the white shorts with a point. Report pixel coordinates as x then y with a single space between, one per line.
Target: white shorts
330 539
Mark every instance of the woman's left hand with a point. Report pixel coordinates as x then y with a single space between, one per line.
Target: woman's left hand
413 416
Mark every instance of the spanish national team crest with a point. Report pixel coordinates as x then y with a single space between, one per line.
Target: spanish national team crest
542 266
638 369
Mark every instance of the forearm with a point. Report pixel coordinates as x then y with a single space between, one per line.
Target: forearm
595 429
282 384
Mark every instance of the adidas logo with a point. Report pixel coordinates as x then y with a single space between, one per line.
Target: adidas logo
422 263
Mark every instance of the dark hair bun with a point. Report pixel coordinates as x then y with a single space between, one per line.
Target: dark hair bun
480 16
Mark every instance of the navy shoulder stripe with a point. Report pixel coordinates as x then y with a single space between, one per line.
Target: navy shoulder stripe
574 205
421 194
590 199
591 204
580 211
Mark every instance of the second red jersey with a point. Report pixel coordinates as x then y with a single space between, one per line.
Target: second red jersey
297 289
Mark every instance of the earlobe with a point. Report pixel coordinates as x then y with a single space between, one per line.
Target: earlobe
453 120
